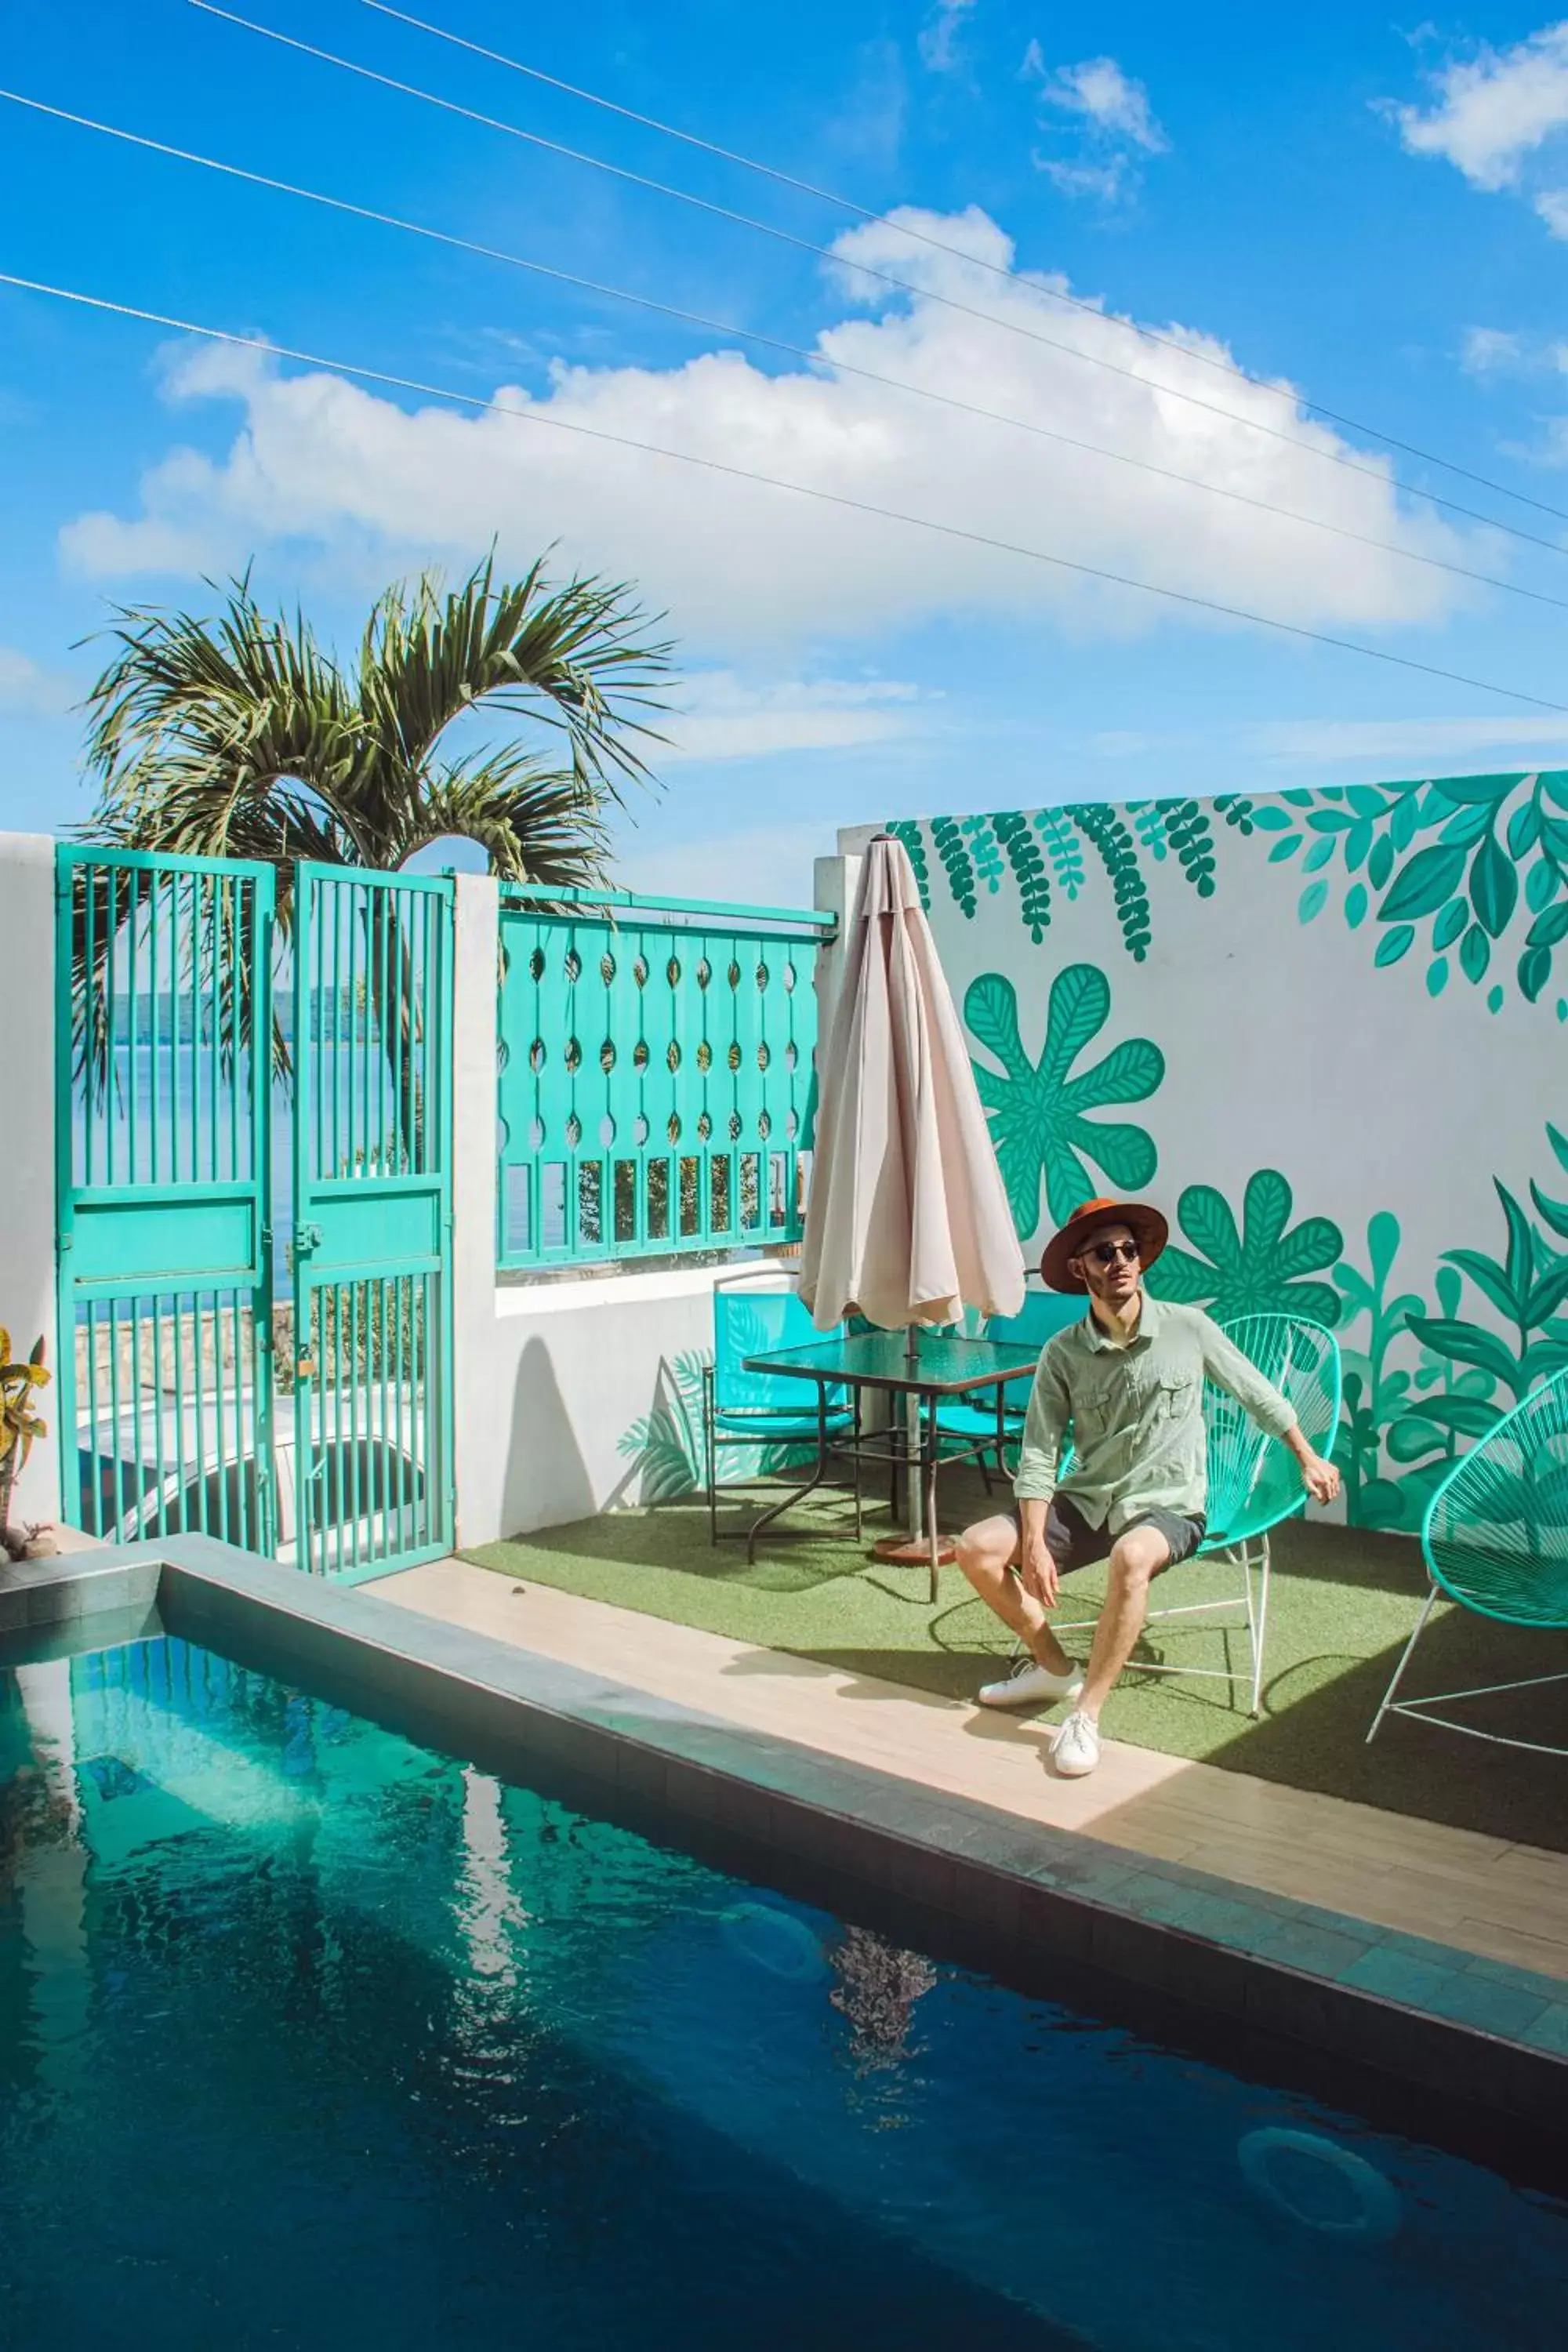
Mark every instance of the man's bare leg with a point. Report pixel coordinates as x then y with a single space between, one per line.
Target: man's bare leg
1136 1559
986 1553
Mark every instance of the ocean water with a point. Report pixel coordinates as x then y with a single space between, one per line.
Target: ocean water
310 2036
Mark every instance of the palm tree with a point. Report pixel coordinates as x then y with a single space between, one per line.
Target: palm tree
239 736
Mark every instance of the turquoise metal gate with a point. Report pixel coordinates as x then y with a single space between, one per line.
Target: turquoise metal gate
176 1360
163 1010
372 1220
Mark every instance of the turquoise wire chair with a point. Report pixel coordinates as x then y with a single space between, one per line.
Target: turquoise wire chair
755 1315
1495 1539
1254 1485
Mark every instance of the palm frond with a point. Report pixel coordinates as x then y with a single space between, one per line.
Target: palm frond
534 823
574 656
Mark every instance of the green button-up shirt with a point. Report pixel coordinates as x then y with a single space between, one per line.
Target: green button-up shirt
1135 1413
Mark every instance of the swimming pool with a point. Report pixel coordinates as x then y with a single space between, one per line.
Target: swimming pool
310 2035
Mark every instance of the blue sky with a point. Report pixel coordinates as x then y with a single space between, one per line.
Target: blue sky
1376 217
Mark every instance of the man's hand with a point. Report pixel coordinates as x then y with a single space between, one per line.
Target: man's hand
1039 1571
1321 1478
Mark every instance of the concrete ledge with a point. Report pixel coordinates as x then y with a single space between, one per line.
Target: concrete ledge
75 1584
628 1288
1056 1913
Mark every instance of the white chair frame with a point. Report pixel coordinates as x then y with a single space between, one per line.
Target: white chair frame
1251 1556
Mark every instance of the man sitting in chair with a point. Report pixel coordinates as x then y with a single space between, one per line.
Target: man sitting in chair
1129 1379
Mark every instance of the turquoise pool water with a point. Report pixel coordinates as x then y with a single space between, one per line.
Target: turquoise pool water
311 2037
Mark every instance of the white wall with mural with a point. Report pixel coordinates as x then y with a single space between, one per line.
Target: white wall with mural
1326 1031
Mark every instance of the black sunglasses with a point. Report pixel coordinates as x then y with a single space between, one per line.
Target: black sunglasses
1107 1253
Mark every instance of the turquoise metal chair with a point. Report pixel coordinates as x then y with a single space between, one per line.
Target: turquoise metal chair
1043 1314
755 1315
1254 1485
1496 1540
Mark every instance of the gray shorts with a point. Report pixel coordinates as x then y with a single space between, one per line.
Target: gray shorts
1073 1543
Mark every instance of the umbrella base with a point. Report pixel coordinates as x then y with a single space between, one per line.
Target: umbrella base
902 1551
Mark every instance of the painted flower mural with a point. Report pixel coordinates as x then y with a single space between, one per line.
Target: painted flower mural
1260 1268
1041 1116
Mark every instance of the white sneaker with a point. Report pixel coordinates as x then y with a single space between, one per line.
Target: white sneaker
1076 1749
1032 1685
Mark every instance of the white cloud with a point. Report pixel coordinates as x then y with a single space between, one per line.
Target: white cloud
768 866
28 688
1102 93
722 716
1113 119
941 36
1489 350
1106 180
356 486
1500 115
1434 745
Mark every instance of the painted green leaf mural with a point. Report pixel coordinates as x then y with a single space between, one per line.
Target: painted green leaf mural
1040 1114
973 854
667 1444
1494 868
1262 1267
1481 859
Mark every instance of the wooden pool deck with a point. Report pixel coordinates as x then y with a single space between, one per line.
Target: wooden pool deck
1499 1902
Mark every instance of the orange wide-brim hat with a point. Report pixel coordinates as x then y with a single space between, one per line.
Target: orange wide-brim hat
1147 1226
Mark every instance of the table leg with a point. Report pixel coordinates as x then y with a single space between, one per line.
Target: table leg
796 1494
914 1455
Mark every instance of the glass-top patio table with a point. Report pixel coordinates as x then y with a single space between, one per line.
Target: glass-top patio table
927 1368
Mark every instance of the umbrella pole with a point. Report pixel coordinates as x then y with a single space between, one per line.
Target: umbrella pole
922 1545
912 1467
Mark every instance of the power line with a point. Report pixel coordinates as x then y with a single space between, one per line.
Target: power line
773 342
883 276
533 416
955 252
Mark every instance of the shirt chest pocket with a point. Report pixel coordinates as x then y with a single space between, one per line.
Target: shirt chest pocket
1175 1395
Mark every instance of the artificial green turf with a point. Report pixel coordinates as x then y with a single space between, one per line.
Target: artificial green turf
1344 1603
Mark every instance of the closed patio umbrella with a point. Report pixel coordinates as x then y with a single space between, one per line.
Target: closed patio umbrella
908 1221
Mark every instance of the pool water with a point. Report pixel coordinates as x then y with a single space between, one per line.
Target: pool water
310 2036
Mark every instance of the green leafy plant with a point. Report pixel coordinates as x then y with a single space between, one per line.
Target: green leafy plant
1040 1114
21 1423
1258 1268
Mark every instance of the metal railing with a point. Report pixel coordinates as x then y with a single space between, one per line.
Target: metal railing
657 1079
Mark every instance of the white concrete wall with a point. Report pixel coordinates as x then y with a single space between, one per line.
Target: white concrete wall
571 1371
551 1380
27 1135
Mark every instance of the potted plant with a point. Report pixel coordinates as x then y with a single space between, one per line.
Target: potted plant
20 1423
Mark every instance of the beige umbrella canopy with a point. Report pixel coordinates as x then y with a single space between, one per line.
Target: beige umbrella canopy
907 1219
